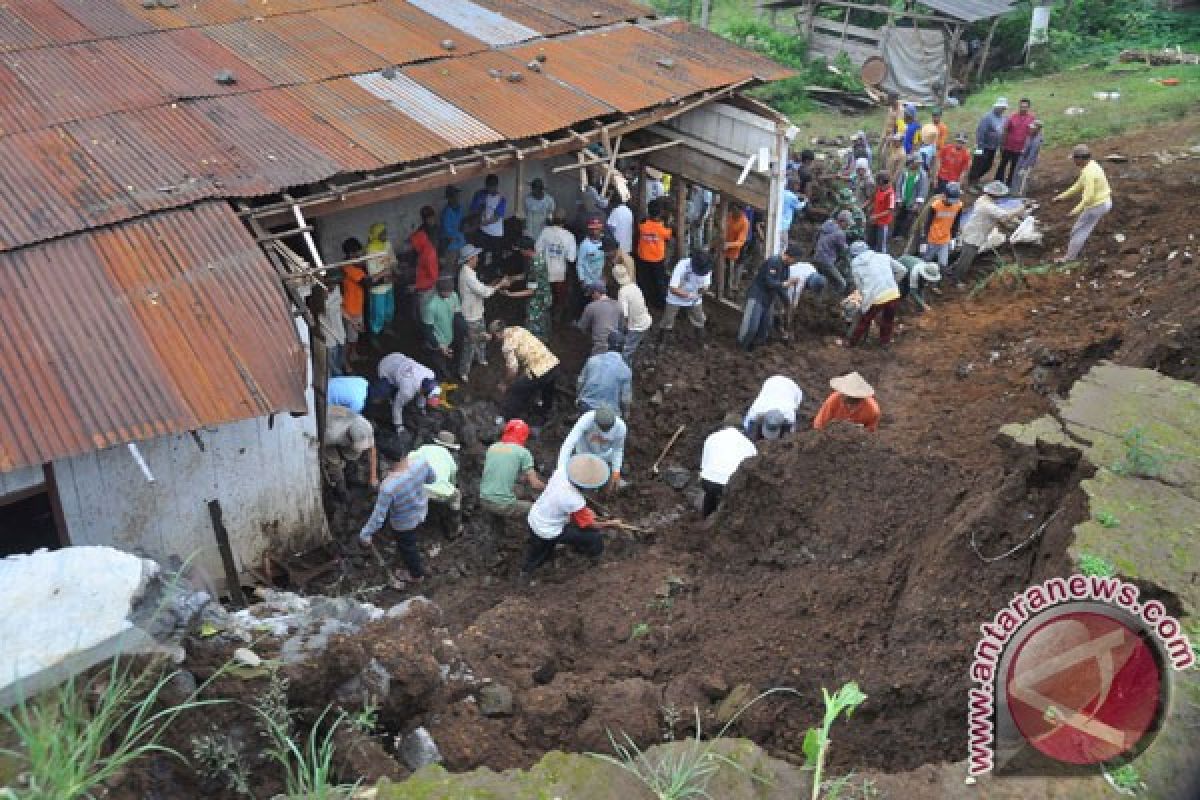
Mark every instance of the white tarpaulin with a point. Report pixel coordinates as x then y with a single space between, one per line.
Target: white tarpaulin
916 61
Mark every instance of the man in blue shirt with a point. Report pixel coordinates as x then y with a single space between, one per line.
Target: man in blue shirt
988 135
589 261
606 380
450 238
402 503
792 202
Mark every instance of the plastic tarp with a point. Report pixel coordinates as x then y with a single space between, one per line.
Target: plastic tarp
916 62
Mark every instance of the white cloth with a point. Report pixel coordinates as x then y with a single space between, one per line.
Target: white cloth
586 437
779 393
537 214
406 375
553 509
557 246
682 277
472 292
620 219
874 277
633 307
985 214
724 451
799 272
348 432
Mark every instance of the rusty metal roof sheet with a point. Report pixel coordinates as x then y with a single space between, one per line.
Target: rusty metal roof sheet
77 81
52 187
971 10
51 24
431 112
475 20
588 13
311 125
528 15
331 53
184 63
716 49
398 39
104 18
18 110
480 85
175 321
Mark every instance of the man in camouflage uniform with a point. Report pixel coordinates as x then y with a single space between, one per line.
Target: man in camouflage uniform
858 225
537 289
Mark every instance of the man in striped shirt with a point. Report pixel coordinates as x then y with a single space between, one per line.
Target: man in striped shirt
403 504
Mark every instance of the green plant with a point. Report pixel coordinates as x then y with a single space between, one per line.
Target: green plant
1140 458
1013 276
640 629
307 768
682 772
1107 519
1125 779
219 758
1096 566
366 720
79 734
817 741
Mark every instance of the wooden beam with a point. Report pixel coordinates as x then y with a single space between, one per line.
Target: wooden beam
987 46
680 186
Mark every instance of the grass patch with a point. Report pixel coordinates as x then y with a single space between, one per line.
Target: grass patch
1095 566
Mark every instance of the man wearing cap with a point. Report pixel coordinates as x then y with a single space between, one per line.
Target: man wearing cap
441 317
539 209
1029 158
1095 200
601 317
780 396
1013 138
560 514
589 268
439 455
770 286
402 504
450 223
651 255
348 391
988 136
916 277
410 382
859 150
927 140
602 434
620 222
852 400
633 311
912 189
606 380
505 464
953 162
685 291
944 212
861 190
489 207
347 437
912 129
474 293
875 279
557 246
531 370
986 214
724 451
832 248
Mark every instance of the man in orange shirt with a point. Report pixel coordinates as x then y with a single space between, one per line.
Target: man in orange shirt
852 400
943 129
651 255
953 162
943 222
354 296
736 229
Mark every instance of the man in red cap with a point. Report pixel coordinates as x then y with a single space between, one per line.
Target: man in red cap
505 464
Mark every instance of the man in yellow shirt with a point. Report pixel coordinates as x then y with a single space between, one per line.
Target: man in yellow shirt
1096 200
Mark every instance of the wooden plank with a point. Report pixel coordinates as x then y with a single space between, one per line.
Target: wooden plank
884 10
830 48
713 173
234 584
829 27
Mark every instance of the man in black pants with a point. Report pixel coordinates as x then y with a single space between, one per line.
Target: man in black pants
561 516
723 453
531 372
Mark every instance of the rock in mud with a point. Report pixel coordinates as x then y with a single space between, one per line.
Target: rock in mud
495 700
417 749
734 702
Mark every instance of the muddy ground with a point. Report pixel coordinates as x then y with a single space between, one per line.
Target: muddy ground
838 555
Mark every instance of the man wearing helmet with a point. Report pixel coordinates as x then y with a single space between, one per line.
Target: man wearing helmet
506 463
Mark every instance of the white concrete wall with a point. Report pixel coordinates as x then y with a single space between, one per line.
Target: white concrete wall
402 216
264 471
21 479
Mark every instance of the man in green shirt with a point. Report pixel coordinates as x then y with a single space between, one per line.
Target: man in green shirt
508 461
444 490
441 316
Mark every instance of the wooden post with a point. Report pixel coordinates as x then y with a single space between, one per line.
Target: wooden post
519 191
680 186
955 38
719 240
987 45
845 24
639 203
222 537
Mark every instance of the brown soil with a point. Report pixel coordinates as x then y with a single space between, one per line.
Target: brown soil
838 555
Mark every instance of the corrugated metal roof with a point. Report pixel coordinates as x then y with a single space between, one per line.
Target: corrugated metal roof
716 49
331 53
157 326
530 16
52 187
589 13
971 10
184 63
18 111
431 112
532 106
103 18
398 40
475 20
51 22
311 125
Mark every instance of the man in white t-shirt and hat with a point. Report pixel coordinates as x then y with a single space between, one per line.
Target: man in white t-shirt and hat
685 293
773 412
347 437
724 451
560 515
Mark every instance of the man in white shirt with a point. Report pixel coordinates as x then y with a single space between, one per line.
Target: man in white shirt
600 433
473 292
539 209
781 395
685 289
557 246
347 437
633 309
560 514
724 451
411 382
620 222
